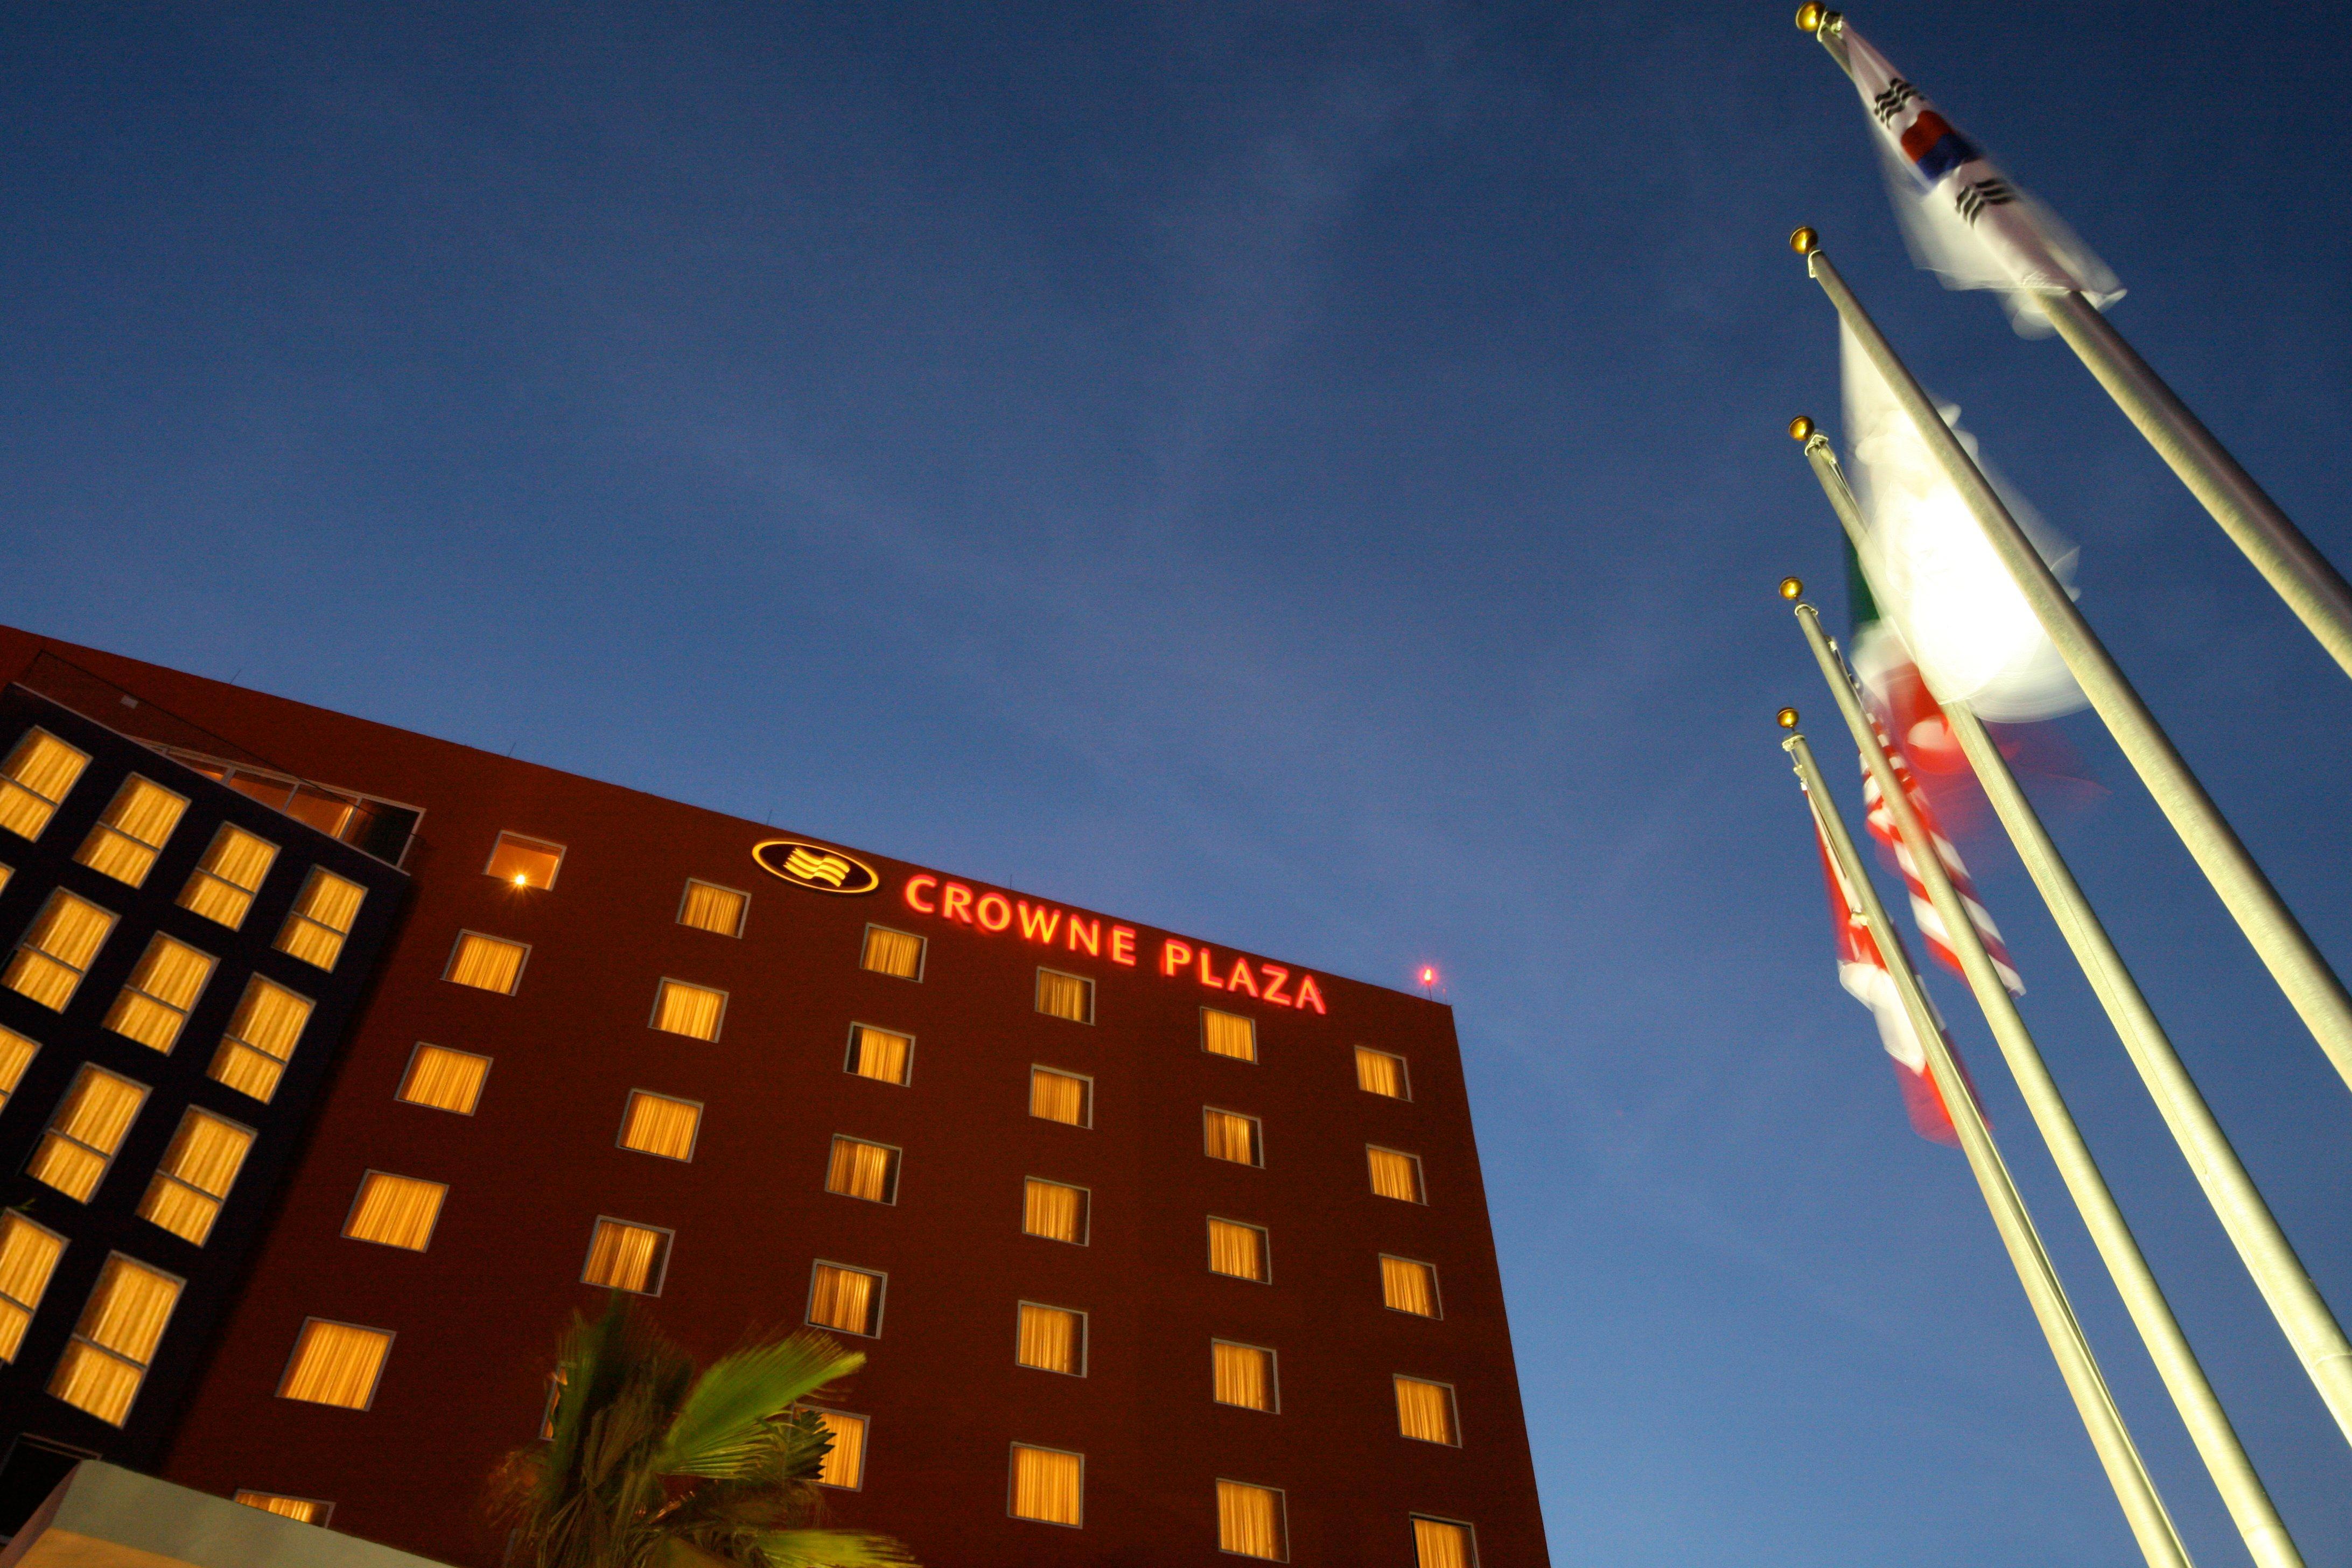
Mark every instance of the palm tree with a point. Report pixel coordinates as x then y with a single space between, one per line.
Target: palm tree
651 1466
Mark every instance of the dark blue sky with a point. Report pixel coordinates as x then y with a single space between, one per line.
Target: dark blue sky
1310 474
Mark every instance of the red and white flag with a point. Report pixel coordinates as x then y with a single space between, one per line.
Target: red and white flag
1932 930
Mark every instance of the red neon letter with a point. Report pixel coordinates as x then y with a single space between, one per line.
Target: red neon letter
955 902
1173 955
1274 975
1090 932
1038 925
1003 912
1309 996
1241 978
915 884
1208 979
1122 945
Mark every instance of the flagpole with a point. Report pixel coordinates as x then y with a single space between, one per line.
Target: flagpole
2288 561
2176 1362
2144 1510
2295 1301
2310 987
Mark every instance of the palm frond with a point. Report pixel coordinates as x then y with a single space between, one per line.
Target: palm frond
830 1549
728 1420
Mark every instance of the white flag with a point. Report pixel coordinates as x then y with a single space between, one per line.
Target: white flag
1963 218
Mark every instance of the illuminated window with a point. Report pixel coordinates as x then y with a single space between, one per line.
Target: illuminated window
114 1343
1244 1375
186 1192
28 1256
58 950
844 1464
657 1124
880 1053
139 821
16 1053
626 1256
1249 1521
444 1079
1228 1034
261 1038
336 1363
1377 1073
891 952
86 1131
1052 1339
1066 996
309 1509
34 781
1054 1210
396 1211
1065 1097
857 1169
486 962
1395 1174
1049 1485
1239 1251
222 886
321 917
849 1300
707 906
1229 1136
1443 1543
1407 1286
1425 1411
695 1011
153 1007
525 862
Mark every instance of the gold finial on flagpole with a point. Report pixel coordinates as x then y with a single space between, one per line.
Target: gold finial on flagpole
1811 14
1801 428
1791 587
1788 718
1805 241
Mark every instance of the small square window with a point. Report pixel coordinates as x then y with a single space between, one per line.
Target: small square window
657 1124
1051 1339
1425 1411
1055 1210
707 906
153 1005
336 1363
844 1464
1395 1174
1229 1136
309 1509
86 1133
486 962
261 1038
444 1079
320 918
1049 1485
624 1256
1443 1543
1065 1097
1243 1376
849 1300
1408 1286
139 821
1377 1073
185 1195
59 950
525 862
396 1211
1250 1521
894 953
114 1343
221 888
880 1053
857 1169
1228 1034
1070 996
694 1011
1239 1251
40 770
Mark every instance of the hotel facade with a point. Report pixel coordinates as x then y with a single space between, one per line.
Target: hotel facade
342 1066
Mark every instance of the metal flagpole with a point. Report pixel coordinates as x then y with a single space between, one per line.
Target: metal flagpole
2200 1409
2290 563
2144 1510
2317 994
2302 1313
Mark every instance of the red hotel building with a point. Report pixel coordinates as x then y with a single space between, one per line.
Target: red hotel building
1159 1252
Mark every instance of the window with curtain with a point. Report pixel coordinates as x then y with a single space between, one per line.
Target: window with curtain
1244 1375
708 907
1054 1210
222 886
86 1131
486 962
1228 1034
849 1300
1239 1251
154 1005
857 1169
28 1256
844 1464
1063 995
336 1363
524 862
1249 1521
320 918
1407 1286
1048 1486
894 953
1229 1136
1377 1073
880 1053
1442 1544
397 1211
114 1342
185 1195
1051 1339
444 1079
16 1053
695 1011
1065 1097
622 1256
309 1509
261 1038
39 773
58 950
657 1124
1425 1411
138 823
1395 1174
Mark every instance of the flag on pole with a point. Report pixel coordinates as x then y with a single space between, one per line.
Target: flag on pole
1965 221
1880 819
1861 970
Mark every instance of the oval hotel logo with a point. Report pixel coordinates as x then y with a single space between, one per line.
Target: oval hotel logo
815 866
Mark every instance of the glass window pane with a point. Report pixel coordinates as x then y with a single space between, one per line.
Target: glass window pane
445 1079
1425 1411
849 1300
1394 1174
1052 1339
892 953
859 1169
486 962
1409 1287
844 1465
879 1053
1249 1520
1377 1073
163 989
321 917
1054 1211
396 1211
221 887
336 1363
1228 1034
525 862
310 1510
186 1192
695 1011
1061 1097
1244 1375
657 1124
1228 1135
38 772
58 950
1238 1251
709 907
1437 1543
626 1256
138 822
1048 1486
1066 996
28 1256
